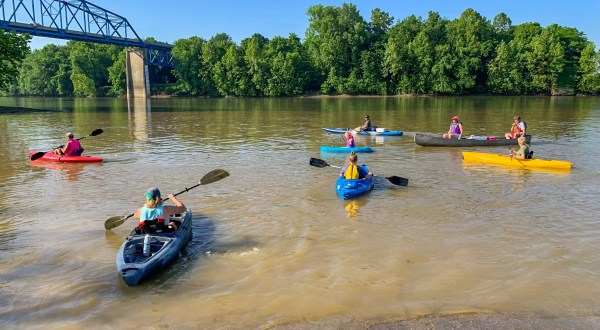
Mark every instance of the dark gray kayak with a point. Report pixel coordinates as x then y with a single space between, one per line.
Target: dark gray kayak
432 140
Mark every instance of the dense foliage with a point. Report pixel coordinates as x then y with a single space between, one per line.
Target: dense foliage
13 49
342 54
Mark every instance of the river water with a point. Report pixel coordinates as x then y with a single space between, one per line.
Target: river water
272 244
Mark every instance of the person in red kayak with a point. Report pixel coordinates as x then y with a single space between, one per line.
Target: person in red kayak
71 148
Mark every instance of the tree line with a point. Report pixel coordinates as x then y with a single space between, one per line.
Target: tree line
342 53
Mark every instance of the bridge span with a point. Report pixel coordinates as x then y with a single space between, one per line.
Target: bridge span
81 20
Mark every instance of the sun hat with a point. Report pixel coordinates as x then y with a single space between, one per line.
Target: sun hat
455 117
152 193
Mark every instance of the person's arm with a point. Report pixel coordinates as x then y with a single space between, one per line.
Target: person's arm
523 129
136 215
460 128
178 208
66 147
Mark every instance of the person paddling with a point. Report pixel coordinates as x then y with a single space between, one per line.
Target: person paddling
366 126
523 152
154 209
517 129
71 148
351 171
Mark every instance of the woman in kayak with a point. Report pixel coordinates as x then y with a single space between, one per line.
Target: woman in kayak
71 148
349 140
523 151
351 171
155 210
456 129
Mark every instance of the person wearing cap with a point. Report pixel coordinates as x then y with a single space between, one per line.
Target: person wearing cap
155 210
365 126
517 129
456 129
71 148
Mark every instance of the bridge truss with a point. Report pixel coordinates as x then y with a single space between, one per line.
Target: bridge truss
78 20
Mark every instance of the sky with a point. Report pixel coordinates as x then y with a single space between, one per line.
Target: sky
178 19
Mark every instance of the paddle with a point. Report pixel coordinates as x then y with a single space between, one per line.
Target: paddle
399 181
210 177
40 154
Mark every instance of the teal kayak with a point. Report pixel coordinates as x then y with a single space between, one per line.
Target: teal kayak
345 149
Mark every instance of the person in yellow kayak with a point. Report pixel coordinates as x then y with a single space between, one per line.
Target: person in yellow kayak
351 171
71 148
523 152
154 209
456 129
517 129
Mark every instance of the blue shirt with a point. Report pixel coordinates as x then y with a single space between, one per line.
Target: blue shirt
151 214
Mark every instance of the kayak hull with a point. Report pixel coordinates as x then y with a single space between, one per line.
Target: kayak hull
51 157
481 157
345 149
347 189
134 267
430 140
337 130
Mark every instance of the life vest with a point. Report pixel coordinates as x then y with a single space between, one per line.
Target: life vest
351 172
74 148
350 142
517 127
455 128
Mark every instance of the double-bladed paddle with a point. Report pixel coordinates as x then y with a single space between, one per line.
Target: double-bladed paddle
210 177
399 181
40 154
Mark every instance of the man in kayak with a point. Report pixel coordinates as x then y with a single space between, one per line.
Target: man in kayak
71 148
155 210
456 129
365 126
517 129
351 171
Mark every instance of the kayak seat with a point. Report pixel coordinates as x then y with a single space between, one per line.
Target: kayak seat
529 155
151 227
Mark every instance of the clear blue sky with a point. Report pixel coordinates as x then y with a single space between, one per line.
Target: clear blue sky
175 19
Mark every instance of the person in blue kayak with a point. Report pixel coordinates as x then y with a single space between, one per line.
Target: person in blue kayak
349 140
365 126
155 210
351 171
71 148
456 129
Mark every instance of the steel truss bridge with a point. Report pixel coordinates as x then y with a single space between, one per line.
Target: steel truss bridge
78 20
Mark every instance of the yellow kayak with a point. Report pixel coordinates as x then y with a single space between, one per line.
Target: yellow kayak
482 157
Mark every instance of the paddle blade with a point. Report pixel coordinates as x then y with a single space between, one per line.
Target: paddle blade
214 176
398 181
316 162
38 155
115 221
96 132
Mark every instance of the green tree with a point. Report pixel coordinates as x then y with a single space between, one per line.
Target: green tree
117 73
503 76
335 38
589 70
470 37
545 62
253 49
13 49
188 68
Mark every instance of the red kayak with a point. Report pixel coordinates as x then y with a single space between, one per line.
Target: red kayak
51 157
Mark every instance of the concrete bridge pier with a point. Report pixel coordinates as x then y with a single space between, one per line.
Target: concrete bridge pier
138 82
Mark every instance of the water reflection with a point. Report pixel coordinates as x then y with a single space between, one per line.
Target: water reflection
71 171
141 110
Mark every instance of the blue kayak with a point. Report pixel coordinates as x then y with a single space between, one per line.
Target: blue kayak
373 131
134 266
347 189
345 149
